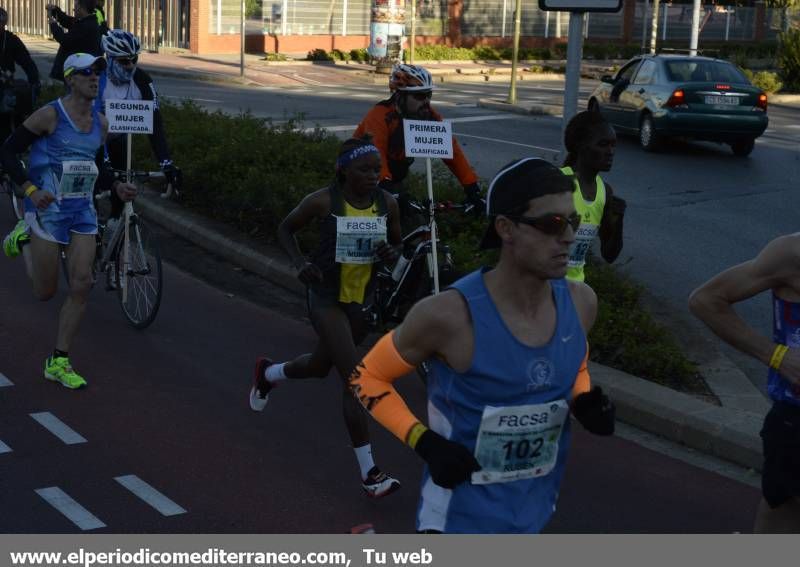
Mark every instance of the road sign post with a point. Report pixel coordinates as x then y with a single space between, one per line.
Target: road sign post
129 117
577 9
424 138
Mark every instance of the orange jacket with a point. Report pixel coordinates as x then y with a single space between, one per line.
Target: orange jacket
385 125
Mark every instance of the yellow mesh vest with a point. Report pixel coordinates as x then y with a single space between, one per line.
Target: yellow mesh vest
591 213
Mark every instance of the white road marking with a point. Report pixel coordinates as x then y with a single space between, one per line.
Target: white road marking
150 495
508 142
4 448
76 513
58 428
4 381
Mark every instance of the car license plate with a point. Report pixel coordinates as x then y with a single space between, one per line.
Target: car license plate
725 100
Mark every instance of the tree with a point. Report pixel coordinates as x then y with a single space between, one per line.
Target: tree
784 6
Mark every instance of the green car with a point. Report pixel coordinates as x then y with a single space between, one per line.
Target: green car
661 96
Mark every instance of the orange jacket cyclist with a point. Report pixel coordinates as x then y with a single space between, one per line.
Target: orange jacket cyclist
355 219
412 89
590 143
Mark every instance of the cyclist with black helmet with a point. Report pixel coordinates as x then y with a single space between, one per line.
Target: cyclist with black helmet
124 80
411 89
17 98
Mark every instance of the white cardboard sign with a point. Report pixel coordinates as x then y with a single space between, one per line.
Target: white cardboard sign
130 116
426 138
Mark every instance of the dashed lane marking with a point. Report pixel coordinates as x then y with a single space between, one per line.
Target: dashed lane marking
58 428
150 495
76 513
4 381
4 448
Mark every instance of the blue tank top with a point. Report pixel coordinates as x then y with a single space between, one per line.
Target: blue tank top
785 331
504 373
66 143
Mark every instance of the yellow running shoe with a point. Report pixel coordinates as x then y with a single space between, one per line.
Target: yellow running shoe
12 243
60 370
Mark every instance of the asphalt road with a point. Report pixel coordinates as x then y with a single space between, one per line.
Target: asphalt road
167 407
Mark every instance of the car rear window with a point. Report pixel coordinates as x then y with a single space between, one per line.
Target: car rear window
685 70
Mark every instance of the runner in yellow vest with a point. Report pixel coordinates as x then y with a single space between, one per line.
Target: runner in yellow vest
590 143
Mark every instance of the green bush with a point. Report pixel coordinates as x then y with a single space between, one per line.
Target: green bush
764 80
360 55
486 52
318 55
339 55
275 57
241 169
789 60
440 53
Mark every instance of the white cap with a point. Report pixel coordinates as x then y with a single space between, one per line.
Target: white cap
80 61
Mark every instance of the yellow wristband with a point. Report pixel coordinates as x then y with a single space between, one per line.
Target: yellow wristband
31 190
414 434
777 356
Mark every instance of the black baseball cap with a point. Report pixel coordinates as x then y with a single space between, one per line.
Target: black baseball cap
516 184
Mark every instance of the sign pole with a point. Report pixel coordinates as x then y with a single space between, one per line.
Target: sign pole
573 78
512 92
431 207
127 215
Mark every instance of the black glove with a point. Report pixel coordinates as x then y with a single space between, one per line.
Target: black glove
473 197
449 463
595 411
171 173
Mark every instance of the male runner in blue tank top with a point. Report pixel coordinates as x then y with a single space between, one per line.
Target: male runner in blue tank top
66 161
507 351
777 268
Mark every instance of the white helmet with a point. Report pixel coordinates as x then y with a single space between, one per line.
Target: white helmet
120 43
410 78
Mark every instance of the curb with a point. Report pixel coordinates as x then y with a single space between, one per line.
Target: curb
533 109
732 435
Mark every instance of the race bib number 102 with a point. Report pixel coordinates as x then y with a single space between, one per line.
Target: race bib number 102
517 442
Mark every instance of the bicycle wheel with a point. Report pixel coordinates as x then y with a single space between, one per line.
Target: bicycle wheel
139 280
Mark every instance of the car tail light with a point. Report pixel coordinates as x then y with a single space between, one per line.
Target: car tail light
762 102
677 100
723 87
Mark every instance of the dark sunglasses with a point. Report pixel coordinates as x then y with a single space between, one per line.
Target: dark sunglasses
421 96
88 72
554 225
127 60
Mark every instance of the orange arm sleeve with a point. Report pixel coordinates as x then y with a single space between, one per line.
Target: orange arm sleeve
374 124
371 384
583 382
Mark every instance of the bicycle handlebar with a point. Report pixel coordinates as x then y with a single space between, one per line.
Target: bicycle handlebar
142 175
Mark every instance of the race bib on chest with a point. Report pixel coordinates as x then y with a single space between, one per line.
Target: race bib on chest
77 179
583 241
357 238
517 442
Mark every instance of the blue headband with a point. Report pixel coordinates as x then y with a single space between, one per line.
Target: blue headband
345 159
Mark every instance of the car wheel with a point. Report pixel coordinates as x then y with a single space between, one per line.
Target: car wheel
742 148
648 137
593 106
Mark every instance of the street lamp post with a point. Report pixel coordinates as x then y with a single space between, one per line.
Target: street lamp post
695 28
243 33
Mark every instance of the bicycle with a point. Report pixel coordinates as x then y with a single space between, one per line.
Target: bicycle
398 288
130 257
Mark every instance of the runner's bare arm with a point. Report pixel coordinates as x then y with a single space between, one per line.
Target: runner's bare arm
395 232
776 266
585 300
313 206
41 123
